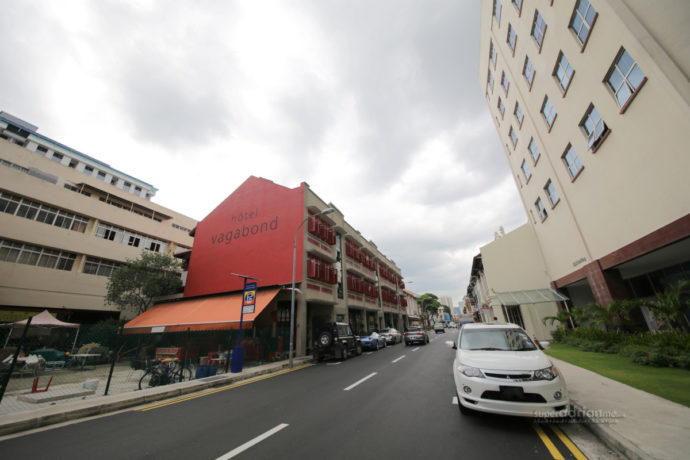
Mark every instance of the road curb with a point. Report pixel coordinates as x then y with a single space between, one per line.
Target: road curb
51 415
610 437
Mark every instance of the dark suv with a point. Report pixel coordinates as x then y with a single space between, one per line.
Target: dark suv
336 340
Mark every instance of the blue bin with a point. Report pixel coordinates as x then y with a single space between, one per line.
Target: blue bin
211 371
202 371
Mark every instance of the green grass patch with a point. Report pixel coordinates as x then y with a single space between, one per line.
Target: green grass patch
668 383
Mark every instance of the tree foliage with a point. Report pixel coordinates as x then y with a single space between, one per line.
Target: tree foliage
429 305
134 285
670 307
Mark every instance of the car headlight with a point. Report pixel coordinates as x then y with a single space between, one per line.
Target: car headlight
548 373
469 371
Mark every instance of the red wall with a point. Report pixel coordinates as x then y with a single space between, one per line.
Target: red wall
250 233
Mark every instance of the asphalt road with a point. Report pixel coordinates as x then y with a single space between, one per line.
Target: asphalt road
396 403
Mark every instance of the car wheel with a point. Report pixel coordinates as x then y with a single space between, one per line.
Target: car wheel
358 349
325 339
345 353
377 345
385 344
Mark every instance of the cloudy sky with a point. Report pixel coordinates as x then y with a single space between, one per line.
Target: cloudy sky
375 103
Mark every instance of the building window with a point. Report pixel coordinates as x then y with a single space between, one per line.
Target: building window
73 163
538 29
519 116
501 107
563 72
42 150
572 162
505 83
534 150
120 235
100 267
513 136
582 21
492 54
594 127
526 171
512 37
518 5
551 192
528 71
541 210
625 79
548 111
101 176
113 181
28 209
57 157
497 11
15 252
88 170
126 186
490 80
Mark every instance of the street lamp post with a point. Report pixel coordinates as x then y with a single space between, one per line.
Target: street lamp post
294 262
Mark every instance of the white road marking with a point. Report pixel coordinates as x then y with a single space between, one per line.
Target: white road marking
333 364
415 349
398 359
455 400
360 381
253 442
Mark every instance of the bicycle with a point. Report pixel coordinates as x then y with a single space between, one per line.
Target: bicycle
163 372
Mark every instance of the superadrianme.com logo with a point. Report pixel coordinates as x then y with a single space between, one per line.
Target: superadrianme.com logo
580 415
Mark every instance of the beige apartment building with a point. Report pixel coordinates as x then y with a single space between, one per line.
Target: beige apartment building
67 221
591 102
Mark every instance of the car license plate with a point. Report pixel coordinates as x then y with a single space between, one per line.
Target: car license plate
514 393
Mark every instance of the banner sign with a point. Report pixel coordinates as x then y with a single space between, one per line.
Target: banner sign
249 298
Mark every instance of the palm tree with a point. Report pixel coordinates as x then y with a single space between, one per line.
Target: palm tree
670 307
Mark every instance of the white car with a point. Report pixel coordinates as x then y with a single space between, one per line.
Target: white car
499 369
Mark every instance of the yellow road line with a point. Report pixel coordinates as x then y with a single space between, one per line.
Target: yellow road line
568 443
217 390
547 442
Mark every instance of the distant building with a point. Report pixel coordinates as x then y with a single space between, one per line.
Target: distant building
591 102
67 221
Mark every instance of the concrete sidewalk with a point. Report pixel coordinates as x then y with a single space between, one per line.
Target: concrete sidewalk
123 393
637 424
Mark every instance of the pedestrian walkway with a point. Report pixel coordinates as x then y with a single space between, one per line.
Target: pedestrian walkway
17 415
637 424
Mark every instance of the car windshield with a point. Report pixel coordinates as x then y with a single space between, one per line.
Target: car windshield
414 328
496 340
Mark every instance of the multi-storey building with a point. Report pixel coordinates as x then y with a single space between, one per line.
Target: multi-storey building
339 274
591 102
67 221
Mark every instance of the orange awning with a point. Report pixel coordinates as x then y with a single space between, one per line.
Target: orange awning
201 314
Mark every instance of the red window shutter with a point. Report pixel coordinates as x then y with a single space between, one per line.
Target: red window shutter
312 225
311 268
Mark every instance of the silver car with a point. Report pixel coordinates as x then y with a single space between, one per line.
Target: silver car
391 335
